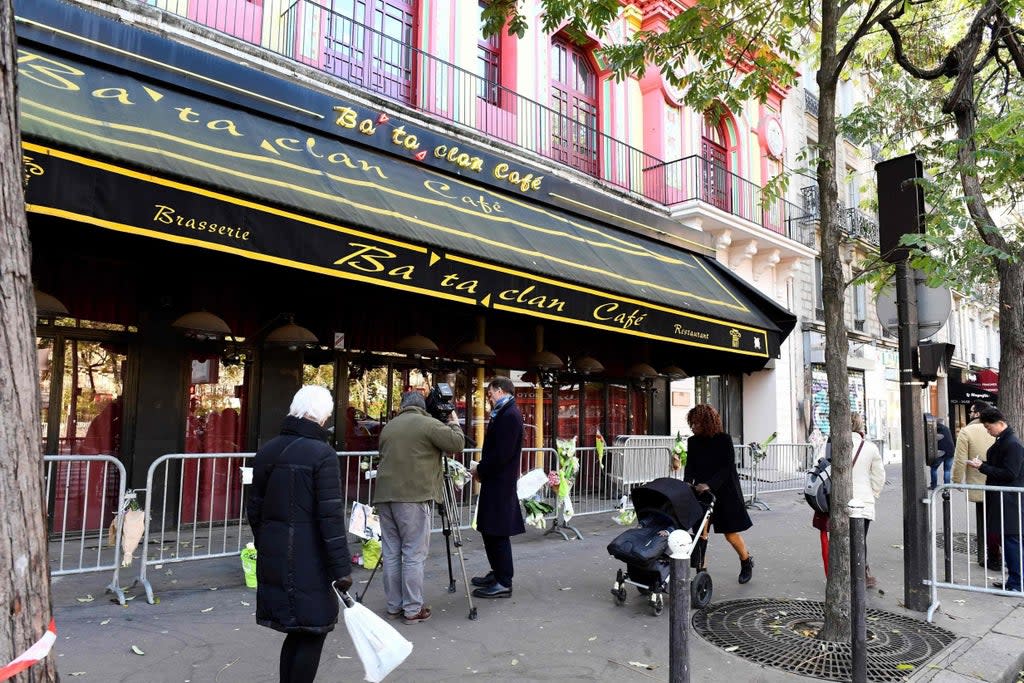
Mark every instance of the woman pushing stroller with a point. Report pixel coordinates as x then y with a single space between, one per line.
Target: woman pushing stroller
711 465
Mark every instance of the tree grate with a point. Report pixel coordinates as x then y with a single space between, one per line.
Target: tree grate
782 634
960 542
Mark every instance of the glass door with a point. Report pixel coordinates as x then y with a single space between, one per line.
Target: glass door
84 381
215 423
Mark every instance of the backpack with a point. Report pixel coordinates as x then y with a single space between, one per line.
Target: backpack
818 487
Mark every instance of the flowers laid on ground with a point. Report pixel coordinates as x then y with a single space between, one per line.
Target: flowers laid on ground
568 464
535 511
626 516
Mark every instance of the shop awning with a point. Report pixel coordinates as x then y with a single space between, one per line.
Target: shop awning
139 156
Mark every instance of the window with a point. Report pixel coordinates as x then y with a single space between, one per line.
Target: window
819 280
369 42
574 99
714 174
488 63
852 188
860 306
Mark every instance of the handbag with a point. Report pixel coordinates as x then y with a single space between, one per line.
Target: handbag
380 647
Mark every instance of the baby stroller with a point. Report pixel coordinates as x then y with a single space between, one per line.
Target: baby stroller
664 504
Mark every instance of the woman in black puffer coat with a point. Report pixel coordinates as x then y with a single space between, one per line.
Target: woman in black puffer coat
711 464
296 512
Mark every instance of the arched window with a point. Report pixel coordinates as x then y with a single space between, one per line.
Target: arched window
574 99
714 164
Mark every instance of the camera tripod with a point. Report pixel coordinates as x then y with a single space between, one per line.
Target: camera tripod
451 528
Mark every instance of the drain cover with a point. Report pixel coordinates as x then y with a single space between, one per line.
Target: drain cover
960 542
781 634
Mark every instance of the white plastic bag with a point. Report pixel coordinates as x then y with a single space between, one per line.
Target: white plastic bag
380 647
530 483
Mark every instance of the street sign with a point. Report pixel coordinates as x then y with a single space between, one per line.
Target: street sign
934 305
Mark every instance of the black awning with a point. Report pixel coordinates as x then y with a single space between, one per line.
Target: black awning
145 157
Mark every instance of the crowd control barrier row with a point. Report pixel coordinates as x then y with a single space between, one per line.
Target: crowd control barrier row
194 504
973 561
84 494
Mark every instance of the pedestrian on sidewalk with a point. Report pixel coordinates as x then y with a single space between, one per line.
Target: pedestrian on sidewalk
298 525
412 447
1004 467
973 442
867 476
499 516
711 464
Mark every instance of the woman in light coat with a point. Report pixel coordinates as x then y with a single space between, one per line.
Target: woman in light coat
868 478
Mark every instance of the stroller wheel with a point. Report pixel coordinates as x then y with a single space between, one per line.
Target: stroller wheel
701 589
657 604
620 595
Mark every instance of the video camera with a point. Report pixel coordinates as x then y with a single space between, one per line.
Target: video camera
440 401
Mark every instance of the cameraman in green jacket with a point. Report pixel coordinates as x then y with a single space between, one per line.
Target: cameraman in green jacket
409 479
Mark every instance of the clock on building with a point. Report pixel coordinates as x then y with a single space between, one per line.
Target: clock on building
773 137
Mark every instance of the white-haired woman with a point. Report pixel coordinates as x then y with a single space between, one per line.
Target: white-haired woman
298 522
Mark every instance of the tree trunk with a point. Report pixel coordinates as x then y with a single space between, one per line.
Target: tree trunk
837 590
25 582
1011 275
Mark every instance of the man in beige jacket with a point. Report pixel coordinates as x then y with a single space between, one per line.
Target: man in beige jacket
973 441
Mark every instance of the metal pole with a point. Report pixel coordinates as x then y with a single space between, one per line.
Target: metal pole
679 622
947 536
858 622
915 517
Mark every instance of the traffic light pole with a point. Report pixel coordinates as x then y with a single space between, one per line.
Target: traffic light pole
915 513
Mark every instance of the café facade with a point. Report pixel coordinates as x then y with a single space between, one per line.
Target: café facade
207 236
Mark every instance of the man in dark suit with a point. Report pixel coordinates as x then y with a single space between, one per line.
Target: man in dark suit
498 515
1004 466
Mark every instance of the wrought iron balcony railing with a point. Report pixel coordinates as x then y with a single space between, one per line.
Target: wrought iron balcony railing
391 66
811 103
861 225
382 59
698 178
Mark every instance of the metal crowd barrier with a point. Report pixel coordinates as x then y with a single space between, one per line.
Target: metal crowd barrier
778 467
969 561
195 510
84 494
195 503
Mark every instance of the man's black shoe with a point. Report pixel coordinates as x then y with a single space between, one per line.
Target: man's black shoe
484 581
494 591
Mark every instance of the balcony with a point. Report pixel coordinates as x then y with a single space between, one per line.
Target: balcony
384 64
811 103
697 178
860 225
382 60
854 222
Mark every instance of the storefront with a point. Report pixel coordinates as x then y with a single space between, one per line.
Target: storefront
220 236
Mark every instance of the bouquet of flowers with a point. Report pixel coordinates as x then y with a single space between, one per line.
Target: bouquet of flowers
568 464
249 564
599 447
457 471
678 453
535 511
626 516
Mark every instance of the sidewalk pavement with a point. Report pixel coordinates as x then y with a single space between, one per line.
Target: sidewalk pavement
560 624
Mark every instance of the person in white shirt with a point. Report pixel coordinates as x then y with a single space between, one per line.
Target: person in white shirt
868 478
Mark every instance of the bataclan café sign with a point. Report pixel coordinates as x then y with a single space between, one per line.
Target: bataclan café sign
278 193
